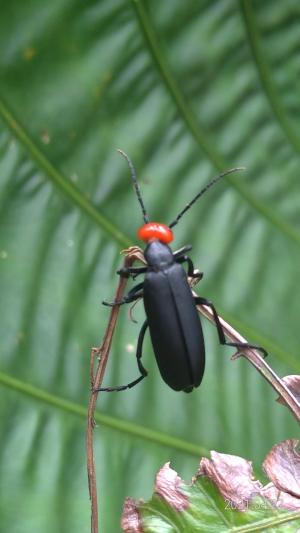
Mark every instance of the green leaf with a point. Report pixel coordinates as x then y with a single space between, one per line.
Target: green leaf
208 512
186 89
223 496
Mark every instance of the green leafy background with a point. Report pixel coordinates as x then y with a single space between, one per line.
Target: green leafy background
186 89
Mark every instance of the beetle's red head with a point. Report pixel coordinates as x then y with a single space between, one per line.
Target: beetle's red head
155 230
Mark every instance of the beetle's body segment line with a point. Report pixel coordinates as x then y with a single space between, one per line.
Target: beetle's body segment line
174 326
193 353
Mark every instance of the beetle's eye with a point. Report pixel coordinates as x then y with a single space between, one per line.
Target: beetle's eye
155 230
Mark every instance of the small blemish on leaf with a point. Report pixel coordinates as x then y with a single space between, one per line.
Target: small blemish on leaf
45 137
29 53
74 177
130 348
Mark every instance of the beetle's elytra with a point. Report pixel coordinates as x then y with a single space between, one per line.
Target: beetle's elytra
171 314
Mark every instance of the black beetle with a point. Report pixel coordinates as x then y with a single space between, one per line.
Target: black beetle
172 317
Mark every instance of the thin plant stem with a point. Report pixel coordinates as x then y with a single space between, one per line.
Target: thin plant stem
96 378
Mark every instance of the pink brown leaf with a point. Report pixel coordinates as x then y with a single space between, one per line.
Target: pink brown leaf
130 520
293 383
280 499
167 485
282 466
233 477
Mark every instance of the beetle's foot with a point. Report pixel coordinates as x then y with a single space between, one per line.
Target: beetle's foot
197 274
111 304
123 272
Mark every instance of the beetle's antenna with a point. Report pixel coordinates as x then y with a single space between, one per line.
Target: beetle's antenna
136 185
210 183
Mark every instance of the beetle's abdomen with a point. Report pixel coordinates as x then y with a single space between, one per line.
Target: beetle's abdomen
175 327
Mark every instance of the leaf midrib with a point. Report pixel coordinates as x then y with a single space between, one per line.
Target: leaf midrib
118 424
60 181
266 80
201 137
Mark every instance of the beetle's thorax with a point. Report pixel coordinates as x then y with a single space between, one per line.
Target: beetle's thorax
158 254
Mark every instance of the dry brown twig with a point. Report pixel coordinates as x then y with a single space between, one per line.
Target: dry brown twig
253 356
96 377
259 363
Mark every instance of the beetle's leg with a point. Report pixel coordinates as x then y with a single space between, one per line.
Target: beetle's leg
126 272
181 257
192 273
222 339
134 294
142 370
182 251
